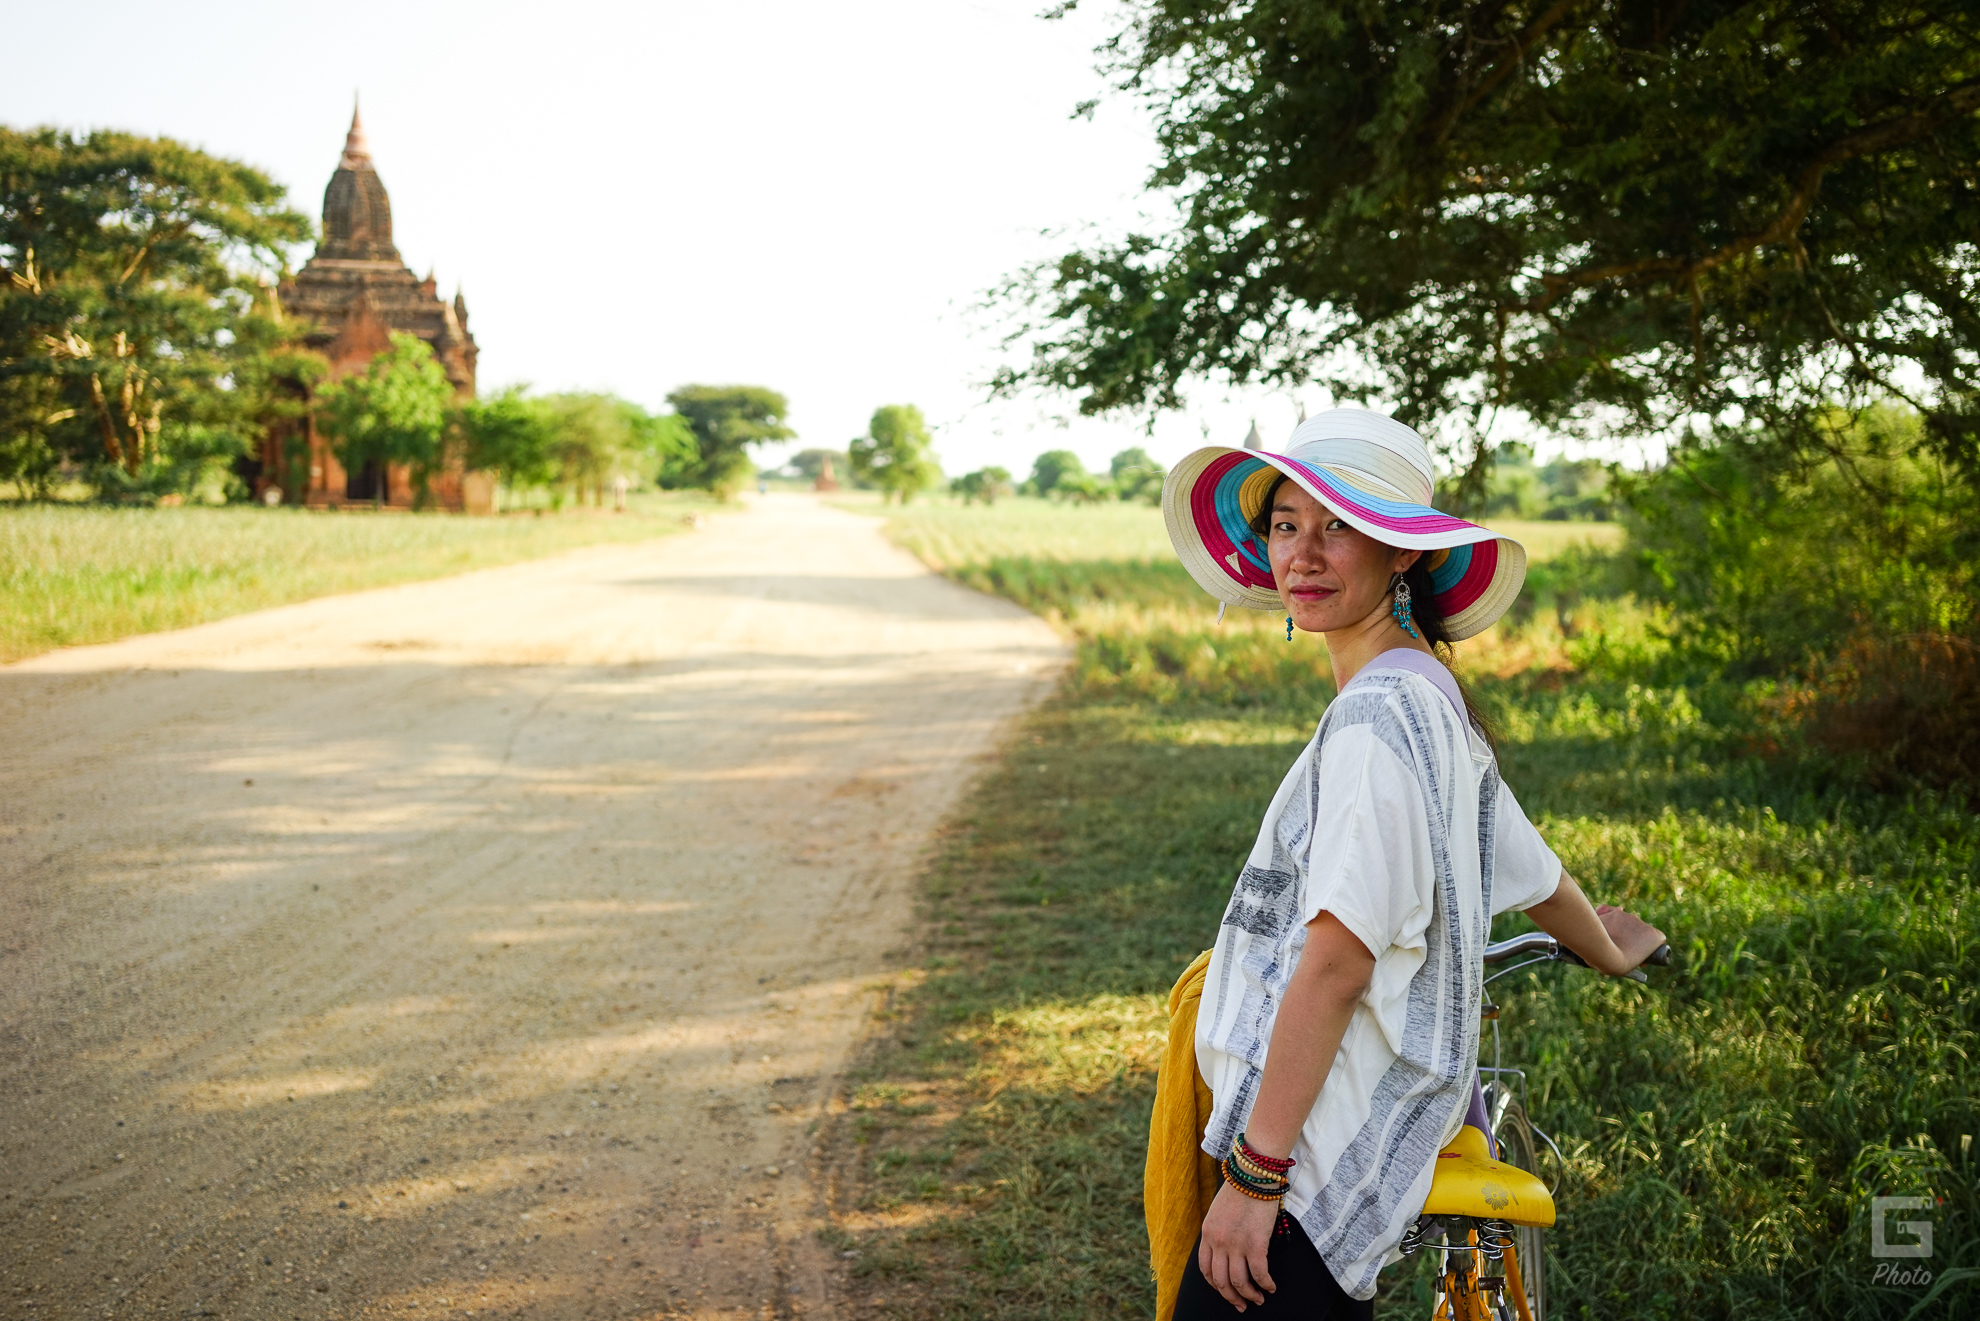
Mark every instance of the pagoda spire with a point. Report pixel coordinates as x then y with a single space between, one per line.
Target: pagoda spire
357 152
357 215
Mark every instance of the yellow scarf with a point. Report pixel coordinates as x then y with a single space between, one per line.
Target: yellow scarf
1179 1181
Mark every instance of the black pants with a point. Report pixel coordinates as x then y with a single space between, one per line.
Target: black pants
1307 1289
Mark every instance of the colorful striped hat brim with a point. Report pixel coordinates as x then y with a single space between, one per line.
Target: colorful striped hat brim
1211 496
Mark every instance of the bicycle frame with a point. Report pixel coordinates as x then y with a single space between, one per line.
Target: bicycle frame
1455 1303
1465 1292
1467 1288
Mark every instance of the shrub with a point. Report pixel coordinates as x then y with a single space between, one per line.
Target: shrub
985 485
1051 468
1846 585
1772 564
1898 710
1136 475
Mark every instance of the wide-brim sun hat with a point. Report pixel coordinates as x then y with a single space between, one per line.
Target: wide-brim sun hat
1374 473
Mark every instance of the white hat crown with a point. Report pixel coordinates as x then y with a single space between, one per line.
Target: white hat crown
1373 450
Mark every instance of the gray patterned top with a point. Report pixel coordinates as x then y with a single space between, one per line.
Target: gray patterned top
1394 820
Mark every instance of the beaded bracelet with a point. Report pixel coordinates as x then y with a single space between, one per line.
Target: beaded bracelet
1273 1164
1238 1181
1267 1185
1254 1169
1255 1174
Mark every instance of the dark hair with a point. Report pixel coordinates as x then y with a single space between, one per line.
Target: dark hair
1422 608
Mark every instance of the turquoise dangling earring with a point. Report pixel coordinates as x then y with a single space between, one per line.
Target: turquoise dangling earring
1289 626
1405 617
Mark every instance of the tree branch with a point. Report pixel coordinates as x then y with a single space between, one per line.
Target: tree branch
1864 141
1501 71
151 241
104 422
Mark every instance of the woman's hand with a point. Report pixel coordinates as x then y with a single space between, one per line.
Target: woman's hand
1634 938
1236 1236
1607 939
1327 983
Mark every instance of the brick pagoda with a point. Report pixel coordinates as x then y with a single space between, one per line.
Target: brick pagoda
353 293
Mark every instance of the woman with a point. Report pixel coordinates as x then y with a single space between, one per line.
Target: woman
1338 1024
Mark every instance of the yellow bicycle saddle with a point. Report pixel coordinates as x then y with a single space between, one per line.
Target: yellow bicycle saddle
1468 1182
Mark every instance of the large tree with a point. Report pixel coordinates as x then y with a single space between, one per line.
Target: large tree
985 484
1052 468
894 453
1635 213
726 421
131 295
508 434
1136 475
590 440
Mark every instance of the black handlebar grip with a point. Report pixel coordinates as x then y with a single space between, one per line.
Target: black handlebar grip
1661 956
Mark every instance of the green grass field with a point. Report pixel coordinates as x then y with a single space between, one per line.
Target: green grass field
1724 1129
74 574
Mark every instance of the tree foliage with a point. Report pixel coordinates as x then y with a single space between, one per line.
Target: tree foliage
894 453
726 420
1594 214
572 444
132 302
507 434
1084 488
1850 581
1767 566
1051 468
590 441
985 486
393 412
1136 475
664 442
1561 489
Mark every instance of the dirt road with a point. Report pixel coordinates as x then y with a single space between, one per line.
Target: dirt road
485 946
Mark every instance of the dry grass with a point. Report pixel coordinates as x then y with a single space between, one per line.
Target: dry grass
77 574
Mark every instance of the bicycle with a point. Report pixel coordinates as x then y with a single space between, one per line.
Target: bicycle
1487 1199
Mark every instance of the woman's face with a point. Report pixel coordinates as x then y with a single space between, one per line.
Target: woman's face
1329 575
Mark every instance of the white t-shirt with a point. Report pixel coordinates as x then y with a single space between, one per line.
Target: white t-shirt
1394 819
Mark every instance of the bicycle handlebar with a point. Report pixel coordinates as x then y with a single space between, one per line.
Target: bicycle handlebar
1533 942
1540 945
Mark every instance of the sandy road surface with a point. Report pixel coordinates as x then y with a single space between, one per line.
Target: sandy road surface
473 946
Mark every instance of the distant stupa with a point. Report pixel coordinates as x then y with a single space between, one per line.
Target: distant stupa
1254 441
352 295
356 289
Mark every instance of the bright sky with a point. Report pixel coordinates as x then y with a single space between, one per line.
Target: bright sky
812 197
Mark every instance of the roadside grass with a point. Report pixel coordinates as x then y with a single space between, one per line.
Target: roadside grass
1723 1129
76 574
